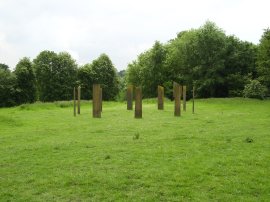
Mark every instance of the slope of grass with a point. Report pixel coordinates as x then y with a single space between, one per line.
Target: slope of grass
221 153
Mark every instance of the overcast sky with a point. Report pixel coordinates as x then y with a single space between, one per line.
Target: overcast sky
120 28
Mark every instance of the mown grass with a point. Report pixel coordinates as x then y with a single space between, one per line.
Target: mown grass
220 153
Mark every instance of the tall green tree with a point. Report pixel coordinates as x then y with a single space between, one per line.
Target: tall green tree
4 66
148 71
209 71
240 60
65 76
56 75
26 81
44 65
153 70
7 87
105 74
197 57
181 60
263 59
134 74
85 77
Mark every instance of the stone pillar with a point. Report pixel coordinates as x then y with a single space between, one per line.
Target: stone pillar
74 101
100 99
130 97
96 101
184 97
138 102
177 100
79 100
193 97
174 85
160 98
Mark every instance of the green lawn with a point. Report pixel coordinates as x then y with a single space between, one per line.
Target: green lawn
220 153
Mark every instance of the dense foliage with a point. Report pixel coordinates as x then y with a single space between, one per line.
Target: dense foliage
99 71
216 64
254 89
105 74
85 77
56 75
7 87
263 61
52 77
26 81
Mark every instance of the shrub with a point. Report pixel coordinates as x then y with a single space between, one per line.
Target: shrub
254 89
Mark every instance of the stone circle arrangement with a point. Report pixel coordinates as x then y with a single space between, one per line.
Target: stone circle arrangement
179 92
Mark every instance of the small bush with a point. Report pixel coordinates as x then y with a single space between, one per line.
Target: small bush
121 97
255 89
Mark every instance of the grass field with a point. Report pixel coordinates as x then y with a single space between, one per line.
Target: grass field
220 153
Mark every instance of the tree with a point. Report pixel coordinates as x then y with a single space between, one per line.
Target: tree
26 81
105 74
148 70
134 74
240 65
56 75
180 60
121 73
198 56
254 89
65 76
7 87
208 73
44 64
153 71
85 77
122 85
263 59
4 66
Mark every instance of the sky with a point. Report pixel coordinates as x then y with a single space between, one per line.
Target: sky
120 28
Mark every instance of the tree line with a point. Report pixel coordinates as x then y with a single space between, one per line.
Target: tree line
217 65
51 77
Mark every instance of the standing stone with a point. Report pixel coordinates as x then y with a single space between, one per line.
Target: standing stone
184 97
177 101
96 101
193 97
160 98
74 101
138 102
181 94
100 99
129 97
174 86
79 100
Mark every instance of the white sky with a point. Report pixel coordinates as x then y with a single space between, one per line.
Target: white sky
120 28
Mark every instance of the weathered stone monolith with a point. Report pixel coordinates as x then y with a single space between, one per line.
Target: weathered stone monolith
174 85
96 101
100 99
138 102
79 100
160 97
177 108
184 97
193 97
74 101
130 97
